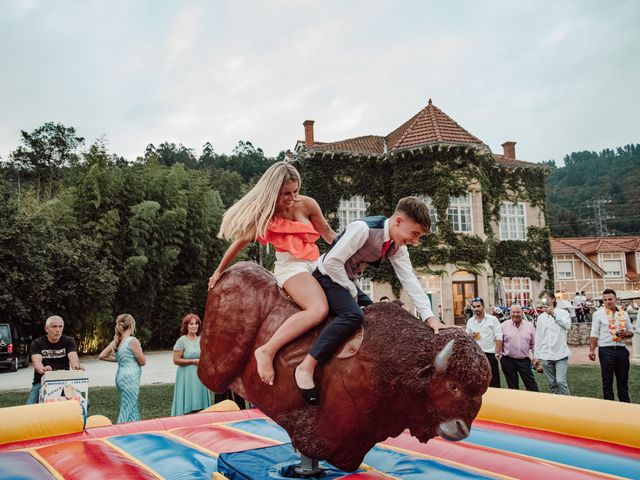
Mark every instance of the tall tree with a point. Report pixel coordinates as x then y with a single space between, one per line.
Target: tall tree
44 153
169 154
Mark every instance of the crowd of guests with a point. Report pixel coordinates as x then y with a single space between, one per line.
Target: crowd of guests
519 347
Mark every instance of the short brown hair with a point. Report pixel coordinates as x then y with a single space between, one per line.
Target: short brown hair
416 210
609 291
184 325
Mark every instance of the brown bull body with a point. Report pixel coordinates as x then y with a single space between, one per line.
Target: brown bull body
394 382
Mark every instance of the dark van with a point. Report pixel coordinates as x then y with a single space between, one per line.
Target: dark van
14 347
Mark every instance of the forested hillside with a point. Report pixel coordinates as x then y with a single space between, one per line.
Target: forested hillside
595 193
88 235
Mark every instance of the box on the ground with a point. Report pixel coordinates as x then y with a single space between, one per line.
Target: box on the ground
61 385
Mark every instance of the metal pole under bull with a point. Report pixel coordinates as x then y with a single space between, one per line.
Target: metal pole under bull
308 467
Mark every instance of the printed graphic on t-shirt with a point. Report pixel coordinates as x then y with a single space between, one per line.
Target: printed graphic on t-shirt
51 354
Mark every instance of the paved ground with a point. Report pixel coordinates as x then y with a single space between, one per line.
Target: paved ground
160 369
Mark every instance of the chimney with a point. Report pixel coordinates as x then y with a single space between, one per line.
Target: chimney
308 133
509 150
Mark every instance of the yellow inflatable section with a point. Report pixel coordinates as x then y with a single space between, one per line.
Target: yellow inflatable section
591 418
28 422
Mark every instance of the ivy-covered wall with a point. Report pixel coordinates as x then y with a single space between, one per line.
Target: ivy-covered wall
440 172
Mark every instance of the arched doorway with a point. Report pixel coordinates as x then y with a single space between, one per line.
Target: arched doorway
465 286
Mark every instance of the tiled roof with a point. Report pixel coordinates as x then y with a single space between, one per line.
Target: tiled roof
515 163
593 245
633 276
366 144
429 125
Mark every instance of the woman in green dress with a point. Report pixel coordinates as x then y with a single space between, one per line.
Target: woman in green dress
189 394
125 349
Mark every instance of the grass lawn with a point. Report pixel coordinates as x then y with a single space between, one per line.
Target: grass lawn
155 400
584 381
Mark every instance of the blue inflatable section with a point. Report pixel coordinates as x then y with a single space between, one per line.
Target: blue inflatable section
264 428
409 467
22 466
557 452
170 459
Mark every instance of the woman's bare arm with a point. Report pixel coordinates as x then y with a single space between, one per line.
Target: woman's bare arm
109 353
230 254
318 221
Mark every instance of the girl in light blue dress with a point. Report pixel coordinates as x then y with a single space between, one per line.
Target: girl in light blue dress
125 349
189 394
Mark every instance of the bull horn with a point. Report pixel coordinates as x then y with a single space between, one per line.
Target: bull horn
442 360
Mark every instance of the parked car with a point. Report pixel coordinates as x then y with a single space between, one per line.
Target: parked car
14 347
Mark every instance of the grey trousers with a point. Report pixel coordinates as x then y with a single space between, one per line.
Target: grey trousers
556 372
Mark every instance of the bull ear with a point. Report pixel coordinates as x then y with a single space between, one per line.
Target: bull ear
442 360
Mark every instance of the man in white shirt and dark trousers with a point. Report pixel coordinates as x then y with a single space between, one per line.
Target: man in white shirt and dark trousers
578 305
365 242
609 328
486 330
551 344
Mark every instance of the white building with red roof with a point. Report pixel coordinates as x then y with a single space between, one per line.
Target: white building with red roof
592 264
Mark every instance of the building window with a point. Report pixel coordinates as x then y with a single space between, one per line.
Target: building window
512 221
432 212
517 290
431 284
564 270
353 209
366 285
612 268
460 213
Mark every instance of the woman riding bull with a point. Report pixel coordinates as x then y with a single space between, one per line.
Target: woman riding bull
273 212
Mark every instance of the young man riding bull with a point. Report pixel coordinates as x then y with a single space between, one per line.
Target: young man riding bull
365 242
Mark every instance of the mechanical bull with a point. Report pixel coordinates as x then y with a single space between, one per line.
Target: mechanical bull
402 376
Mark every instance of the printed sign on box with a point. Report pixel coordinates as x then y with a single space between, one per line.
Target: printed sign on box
65 385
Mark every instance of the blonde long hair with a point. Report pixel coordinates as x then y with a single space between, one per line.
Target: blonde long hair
123 322
249 217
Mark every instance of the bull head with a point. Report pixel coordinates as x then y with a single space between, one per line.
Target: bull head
455 428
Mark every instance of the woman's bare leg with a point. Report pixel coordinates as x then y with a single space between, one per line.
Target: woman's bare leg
308 294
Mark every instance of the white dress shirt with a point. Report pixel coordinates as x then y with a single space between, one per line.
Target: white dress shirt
600 329
485 331
551 335
353 238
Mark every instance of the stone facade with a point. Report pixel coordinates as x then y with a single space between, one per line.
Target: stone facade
579 334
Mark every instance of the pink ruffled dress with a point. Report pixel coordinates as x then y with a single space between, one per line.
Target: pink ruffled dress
294 243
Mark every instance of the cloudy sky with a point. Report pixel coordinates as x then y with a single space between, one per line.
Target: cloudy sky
554 76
